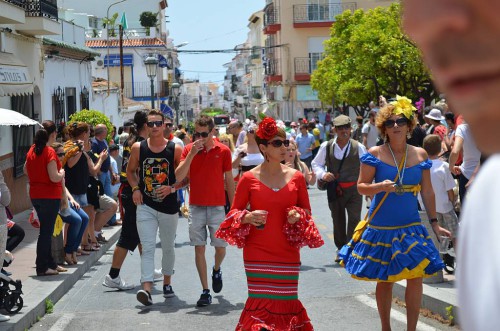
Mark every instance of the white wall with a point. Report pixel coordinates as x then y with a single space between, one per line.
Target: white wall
108 105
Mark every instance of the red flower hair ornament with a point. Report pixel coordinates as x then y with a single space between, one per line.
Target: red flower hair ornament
267 129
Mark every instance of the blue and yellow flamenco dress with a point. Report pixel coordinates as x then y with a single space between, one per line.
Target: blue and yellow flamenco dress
395 245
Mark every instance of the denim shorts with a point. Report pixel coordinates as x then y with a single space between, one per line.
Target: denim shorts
201 218
81 199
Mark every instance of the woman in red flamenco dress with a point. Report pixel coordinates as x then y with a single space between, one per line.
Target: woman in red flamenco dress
271 243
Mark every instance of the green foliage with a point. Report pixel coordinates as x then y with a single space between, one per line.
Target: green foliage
92 117
449 314
148 20
213 111
49 306
110 23
368 55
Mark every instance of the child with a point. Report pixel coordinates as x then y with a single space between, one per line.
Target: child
443 184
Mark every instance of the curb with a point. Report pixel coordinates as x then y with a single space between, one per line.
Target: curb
37 289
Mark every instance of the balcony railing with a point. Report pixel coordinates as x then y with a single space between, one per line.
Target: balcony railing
320 13
272 67
18 3
41 8
305 65
143 89
271 16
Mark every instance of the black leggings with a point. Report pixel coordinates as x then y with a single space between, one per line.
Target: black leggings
14 237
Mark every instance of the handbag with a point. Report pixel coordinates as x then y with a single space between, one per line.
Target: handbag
333 190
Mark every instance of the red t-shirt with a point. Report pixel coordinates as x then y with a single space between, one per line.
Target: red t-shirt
41 187
206 175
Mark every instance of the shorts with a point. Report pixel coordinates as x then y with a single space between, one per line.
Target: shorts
81 199
106 203
449 221
129 237
201 217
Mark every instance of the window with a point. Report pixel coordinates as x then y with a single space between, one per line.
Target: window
23 135
313 61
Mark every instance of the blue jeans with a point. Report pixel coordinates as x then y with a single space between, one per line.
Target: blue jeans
77 221
105 178
47 210
148 223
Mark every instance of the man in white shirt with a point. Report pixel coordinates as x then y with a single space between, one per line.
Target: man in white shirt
370 131
342 169
459 41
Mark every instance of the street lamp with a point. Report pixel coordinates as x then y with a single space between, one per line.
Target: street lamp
175 93
107 37
245 102
151 63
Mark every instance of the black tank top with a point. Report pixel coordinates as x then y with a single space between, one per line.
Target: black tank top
157 169
77 177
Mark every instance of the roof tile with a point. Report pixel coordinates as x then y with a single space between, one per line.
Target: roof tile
115 43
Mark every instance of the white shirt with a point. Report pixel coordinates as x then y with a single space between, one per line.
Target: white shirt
114 166
442 182
178 141
478 252
319 162
471 154
372 132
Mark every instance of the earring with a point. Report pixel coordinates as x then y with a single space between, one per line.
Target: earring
408 135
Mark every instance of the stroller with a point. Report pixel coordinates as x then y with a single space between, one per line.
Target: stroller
10 298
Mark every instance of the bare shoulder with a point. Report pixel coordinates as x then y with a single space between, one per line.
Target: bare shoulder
290 172
376 151
419 151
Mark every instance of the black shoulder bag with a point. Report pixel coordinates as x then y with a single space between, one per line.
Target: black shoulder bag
332 188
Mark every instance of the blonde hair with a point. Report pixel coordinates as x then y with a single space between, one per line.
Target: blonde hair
384 114
296 159
229 138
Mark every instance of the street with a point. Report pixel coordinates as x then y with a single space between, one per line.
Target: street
333 299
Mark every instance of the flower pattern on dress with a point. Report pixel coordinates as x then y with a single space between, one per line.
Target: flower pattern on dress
232 231
303 232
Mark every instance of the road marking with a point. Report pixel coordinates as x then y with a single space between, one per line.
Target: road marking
62 322
396 315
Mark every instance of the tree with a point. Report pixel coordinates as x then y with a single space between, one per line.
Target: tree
148 20
92 117
110 24
368 55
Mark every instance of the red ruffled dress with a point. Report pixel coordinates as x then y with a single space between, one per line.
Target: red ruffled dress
271 255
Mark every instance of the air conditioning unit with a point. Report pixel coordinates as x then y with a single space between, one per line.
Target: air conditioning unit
99 63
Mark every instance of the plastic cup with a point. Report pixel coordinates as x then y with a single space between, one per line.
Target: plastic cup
444 242
261 213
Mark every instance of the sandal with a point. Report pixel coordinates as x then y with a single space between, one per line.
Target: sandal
68 258
48 272
89 248
61 269
81 252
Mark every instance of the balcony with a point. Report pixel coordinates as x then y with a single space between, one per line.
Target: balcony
143 89
273 70
271 20
314 15
41 18
12 12
305 66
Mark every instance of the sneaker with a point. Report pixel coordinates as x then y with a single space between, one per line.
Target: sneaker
168 292
144 297
157 275
205 299
4 318
117 283
217 280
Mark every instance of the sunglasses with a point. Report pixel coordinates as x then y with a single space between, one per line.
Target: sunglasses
169 124
200 134
279 143
61 154
155 123
400 122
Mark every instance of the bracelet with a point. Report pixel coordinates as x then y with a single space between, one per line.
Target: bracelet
433 220
135 188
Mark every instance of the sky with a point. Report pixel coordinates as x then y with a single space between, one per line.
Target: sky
217 24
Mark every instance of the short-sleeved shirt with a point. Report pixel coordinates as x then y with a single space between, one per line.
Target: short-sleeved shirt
372 134
471 154
206 175
303 143
442 182
97 147
41 187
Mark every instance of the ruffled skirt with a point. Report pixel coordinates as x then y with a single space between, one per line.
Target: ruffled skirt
390 254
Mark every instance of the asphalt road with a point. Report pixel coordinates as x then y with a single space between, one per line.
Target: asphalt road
334 301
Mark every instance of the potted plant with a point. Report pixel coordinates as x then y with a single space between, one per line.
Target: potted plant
110 23
148 20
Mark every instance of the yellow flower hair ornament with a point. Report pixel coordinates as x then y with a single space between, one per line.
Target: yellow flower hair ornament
403 106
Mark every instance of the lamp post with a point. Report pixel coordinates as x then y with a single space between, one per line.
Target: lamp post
245 102
151 63
107 38
175 93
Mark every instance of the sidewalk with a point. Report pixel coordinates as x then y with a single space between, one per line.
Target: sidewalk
37 289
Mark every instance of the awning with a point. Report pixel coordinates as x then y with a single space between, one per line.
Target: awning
15 78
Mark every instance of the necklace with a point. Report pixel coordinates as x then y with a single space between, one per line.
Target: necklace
399 184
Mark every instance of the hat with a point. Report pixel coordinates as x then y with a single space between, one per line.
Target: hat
435 114
114 147
293 124
341 120
129 123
